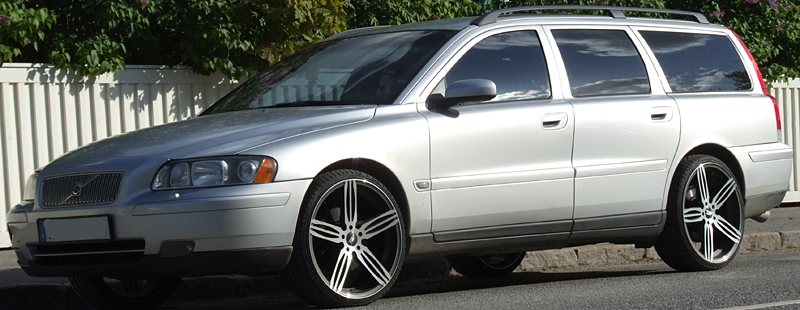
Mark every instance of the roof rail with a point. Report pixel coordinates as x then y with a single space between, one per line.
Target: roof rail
613 11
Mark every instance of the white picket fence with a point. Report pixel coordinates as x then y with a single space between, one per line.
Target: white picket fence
788 95
45 112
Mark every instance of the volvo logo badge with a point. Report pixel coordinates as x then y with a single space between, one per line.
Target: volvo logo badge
77 188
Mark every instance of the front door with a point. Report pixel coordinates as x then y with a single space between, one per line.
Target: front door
502 167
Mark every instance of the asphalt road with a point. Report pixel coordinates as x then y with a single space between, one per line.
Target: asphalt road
754 280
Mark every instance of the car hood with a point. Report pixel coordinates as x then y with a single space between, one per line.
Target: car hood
218 134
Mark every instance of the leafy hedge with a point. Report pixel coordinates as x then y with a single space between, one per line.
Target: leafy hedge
99 36
234 36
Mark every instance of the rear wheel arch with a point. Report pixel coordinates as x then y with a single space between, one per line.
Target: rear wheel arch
725 156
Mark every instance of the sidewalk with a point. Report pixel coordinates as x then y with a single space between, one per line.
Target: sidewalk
19 291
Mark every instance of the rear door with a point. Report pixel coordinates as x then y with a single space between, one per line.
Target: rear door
626 127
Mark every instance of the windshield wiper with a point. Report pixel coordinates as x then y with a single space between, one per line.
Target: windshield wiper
312 103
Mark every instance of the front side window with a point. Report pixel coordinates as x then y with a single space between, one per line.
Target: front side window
369 69
698 62
514 61
601 62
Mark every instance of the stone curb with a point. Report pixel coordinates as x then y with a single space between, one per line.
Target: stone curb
209 289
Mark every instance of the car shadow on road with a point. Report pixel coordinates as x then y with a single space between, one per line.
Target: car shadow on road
458 283
417 287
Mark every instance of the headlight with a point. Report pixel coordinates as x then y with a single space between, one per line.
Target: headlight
29 193
207 172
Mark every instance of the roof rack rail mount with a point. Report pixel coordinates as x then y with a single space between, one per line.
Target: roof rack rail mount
613 11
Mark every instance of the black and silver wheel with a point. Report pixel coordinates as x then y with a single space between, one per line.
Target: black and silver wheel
349 243
108 293
704 216
486 266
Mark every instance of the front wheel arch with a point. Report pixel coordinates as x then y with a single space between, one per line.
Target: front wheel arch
383 174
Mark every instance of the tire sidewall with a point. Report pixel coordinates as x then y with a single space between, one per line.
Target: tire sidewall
305 269
676 205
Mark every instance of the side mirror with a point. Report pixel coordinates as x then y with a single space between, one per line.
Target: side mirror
464 91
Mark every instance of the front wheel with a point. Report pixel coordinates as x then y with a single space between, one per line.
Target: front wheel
705 216
108 293
349 243
486 266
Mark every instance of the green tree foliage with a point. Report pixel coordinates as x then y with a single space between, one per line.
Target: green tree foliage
770 28
100 36
365 13
234 36
21 27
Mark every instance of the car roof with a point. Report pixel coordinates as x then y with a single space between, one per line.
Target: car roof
499 17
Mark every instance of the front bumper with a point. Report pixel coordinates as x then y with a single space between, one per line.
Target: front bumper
153 266
199 232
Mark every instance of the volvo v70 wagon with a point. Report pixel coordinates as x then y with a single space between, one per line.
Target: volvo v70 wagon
475 139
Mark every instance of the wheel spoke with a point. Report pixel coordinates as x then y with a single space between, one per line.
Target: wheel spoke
380 224
339 274
692 215
350 202
727 190
374 266
728 229
702 184
327 231
708 241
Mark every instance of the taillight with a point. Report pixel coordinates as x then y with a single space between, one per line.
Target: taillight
760 79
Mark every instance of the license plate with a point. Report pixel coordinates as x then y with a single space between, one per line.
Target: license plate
74 229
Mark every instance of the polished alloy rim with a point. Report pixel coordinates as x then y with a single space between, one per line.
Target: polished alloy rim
712 213
355 238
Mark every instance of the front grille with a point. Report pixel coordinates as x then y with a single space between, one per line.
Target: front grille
114 252
80 189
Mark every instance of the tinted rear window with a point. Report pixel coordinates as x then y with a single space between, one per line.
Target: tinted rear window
601 62
698 62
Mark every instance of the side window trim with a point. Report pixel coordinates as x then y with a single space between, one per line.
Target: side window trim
663 77
471 41
653 77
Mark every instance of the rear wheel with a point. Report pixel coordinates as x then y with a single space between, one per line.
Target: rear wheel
486 266
704 216
108 293
349 242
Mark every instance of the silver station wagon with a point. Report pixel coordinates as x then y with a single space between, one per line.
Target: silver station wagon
475 139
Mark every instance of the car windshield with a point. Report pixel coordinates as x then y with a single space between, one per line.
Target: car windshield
369 69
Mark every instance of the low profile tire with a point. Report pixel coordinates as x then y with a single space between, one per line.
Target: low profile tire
106 293
349 243
705 216
486 266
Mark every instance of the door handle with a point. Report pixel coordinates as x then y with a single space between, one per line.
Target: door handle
661 114
554 121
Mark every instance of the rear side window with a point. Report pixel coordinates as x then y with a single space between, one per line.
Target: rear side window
698 62
601 62
514 61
